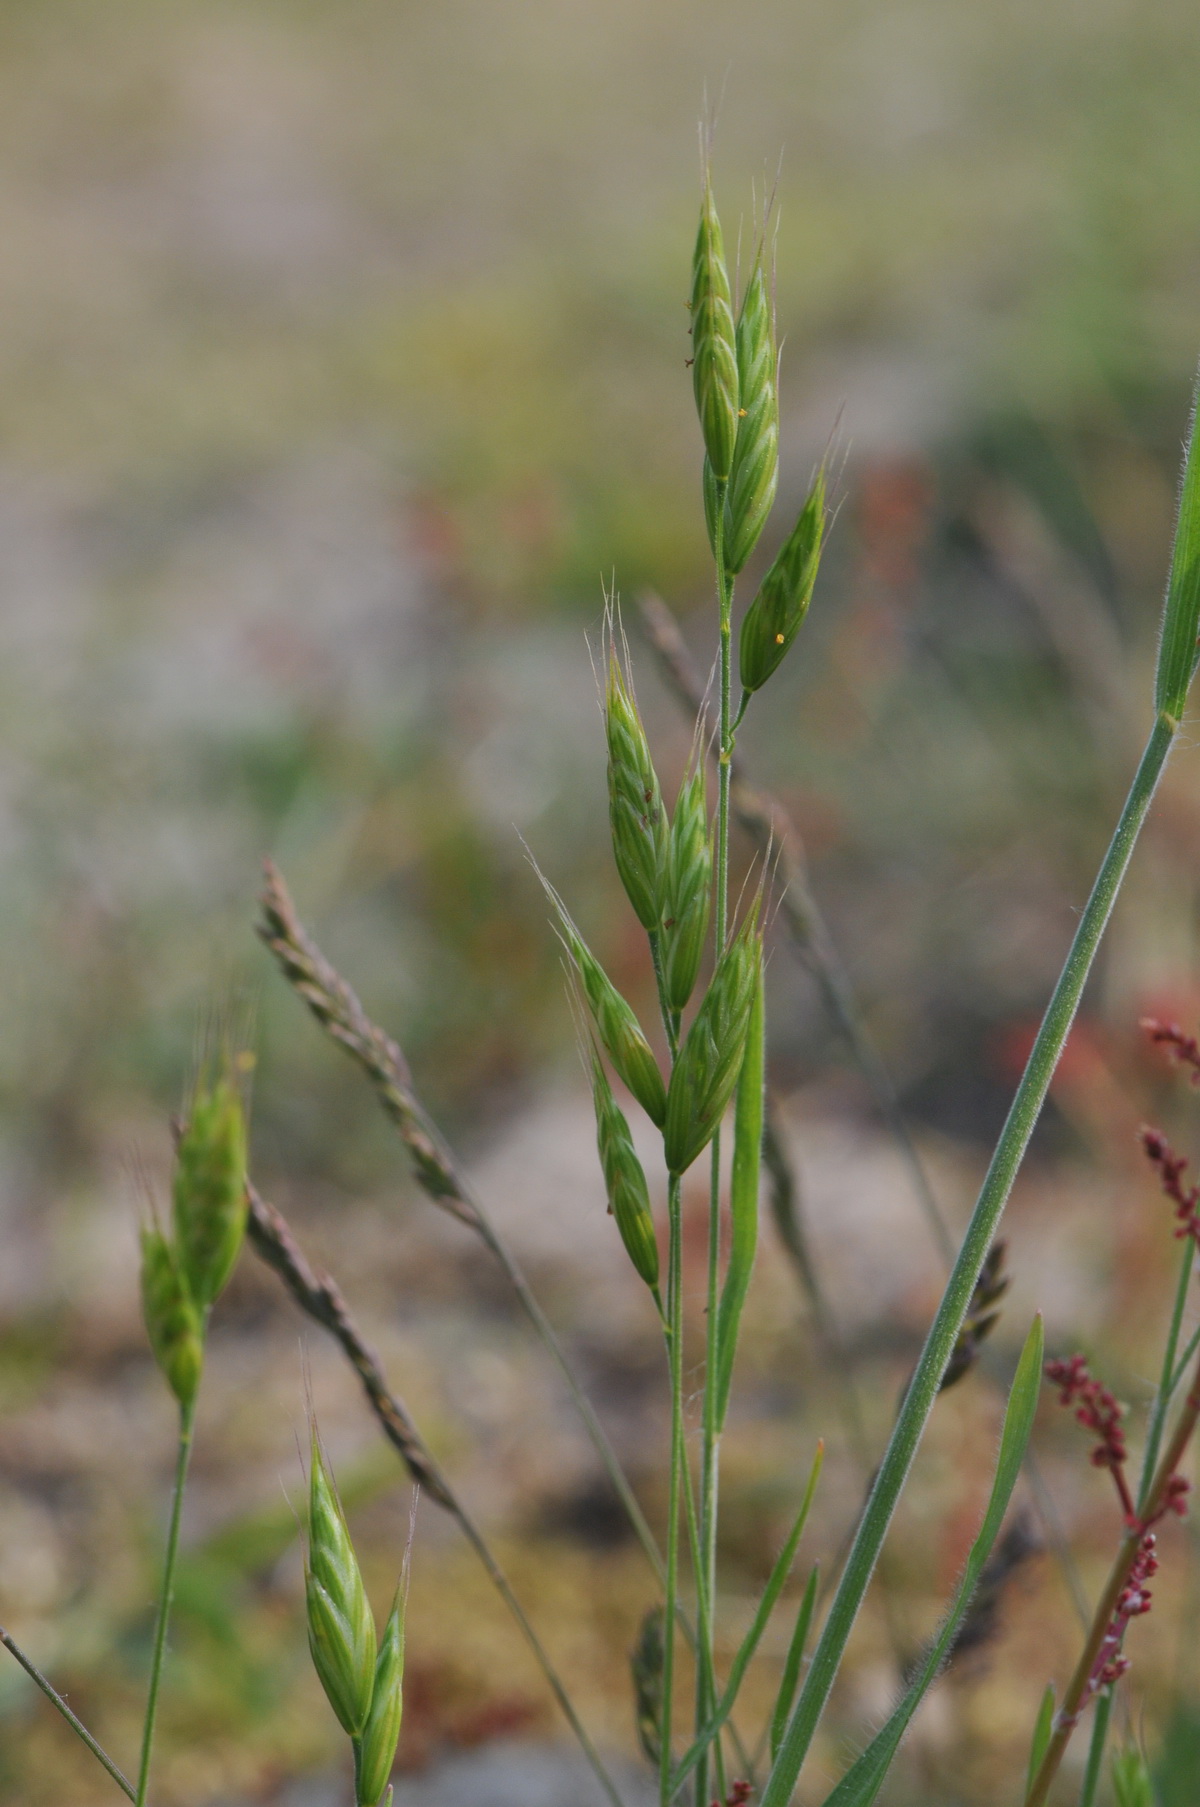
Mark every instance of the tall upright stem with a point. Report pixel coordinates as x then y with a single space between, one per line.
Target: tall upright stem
187 1418
706 1580
923 1389
674 1329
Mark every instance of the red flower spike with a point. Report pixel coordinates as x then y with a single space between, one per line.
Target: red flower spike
1100 1412
1185 1048
1170 1168
1134 1599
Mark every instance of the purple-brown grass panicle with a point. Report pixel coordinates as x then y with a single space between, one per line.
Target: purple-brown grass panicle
704 1076
777 613
714 346
624 1180
635 805
341 1632
687 888
755 470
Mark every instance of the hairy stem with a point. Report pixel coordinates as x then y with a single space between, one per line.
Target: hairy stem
187 1419
981 1231
76 1724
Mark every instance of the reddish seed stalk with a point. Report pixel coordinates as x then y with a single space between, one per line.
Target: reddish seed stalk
1165 1495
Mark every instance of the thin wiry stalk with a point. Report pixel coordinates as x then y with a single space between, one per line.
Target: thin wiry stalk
76 1724
675 1479
1095 1762
187 1419
338 1010
981 1232
319 1297
775 837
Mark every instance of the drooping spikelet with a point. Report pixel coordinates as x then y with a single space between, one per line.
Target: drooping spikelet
687 888
714 351
710 1060
635 805
625 1182
775 616
172 1321
341 1632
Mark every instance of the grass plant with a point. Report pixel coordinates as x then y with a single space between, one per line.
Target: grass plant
706 933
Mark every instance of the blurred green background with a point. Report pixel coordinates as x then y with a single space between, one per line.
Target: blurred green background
342 367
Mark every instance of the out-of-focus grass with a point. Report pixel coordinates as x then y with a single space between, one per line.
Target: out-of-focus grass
342 359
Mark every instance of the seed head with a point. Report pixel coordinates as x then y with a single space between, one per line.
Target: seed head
341 1633
172 1321
376 1750
774 617
755 470
714 350
706 1072
646 1667
687 889
635 806
625 1182
616 1024
210 1190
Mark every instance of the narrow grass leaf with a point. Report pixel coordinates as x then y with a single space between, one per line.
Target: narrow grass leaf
1042 1729
743 1195
1181 611
862 1782
790 1679
750 1643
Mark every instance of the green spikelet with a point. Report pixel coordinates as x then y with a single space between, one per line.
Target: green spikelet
774 617
1132 1786
616 1024
635 805
375 1751
706 1072
687 889
210 1190
714 350
341 1633
756 453
628 1198
172 1321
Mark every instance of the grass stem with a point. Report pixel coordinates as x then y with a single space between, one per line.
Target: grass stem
675 1361
187 1419
981 1232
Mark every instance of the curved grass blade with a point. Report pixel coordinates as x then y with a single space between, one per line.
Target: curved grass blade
750 1642
862 1782
743 1196
795 1656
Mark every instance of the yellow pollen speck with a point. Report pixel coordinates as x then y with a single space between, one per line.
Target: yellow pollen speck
741 414
779 639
